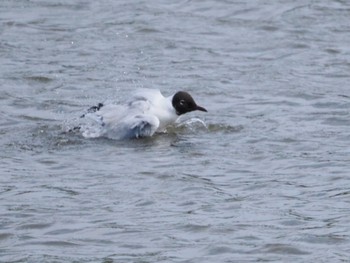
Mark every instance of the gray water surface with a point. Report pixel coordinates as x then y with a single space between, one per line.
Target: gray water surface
266 179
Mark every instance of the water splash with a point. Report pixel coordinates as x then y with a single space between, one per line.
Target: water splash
193 124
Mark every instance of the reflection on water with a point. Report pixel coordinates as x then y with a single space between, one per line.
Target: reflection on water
261 177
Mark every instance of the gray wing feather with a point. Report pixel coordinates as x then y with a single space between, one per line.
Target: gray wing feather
136 126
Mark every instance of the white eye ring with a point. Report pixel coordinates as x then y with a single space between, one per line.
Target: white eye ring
182 102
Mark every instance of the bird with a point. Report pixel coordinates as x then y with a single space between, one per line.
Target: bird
146 112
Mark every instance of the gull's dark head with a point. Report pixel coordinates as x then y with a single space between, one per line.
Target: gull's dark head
183 103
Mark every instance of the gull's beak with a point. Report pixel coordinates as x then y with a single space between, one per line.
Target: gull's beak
201 108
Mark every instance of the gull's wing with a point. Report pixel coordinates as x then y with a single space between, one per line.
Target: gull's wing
128 121
132 120
143 126
133 126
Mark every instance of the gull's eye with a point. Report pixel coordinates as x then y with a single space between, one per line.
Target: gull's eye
182 102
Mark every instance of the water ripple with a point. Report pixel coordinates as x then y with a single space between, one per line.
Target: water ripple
263 177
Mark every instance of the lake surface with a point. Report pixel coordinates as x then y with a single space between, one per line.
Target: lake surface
264 176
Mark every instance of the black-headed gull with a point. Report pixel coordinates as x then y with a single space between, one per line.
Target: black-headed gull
147 112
